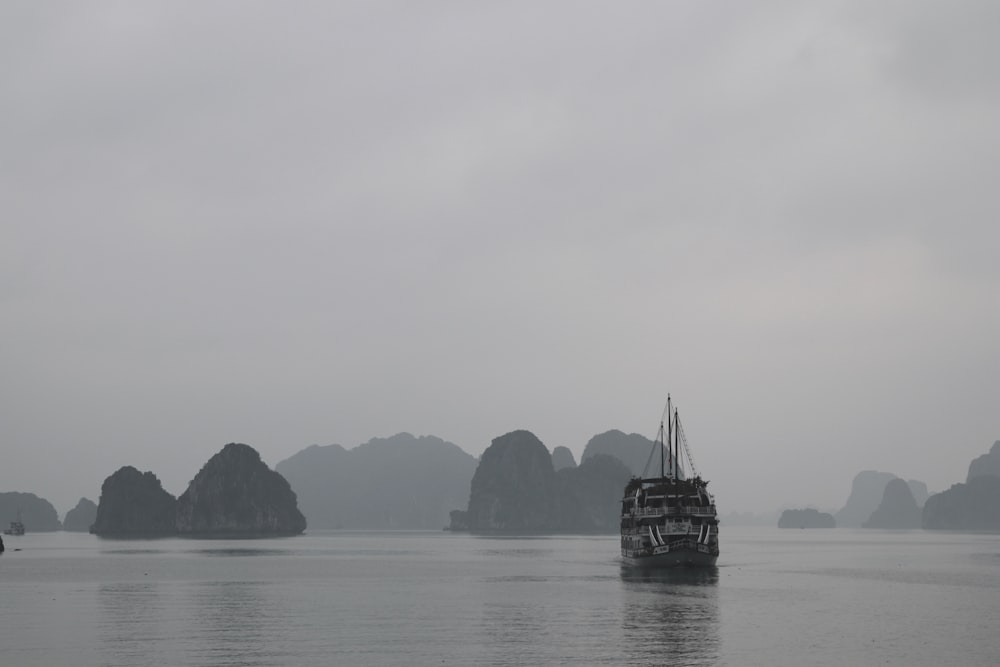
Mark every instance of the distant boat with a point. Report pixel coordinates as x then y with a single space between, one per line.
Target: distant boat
16 527
670 520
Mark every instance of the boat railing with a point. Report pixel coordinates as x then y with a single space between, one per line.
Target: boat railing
691 545
674 511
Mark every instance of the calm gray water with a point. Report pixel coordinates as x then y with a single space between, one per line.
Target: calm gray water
835 597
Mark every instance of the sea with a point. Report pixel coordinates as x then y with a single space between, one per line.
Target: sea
777 597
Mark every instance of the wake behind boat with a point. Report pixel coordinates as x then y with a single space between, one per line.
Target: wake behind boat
670 520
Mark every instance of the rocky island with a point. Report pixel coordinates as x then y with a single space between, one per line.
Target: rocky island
234 495
512 488
37 514
867 493
898 509
974 505
516 490
134 504
806 518
82 517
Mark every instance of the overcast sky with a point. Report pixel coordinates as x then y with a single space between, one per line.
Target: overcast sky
287 224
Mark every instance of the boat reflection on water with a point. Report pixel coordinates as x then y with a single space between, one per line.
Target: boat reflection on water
671 616
679 576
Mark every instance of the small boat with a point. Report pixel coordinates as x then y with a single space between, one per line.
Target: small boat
670 520
16 526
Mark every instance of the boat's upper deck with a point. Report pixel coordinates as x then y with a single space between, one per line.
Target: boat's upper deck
678 510
667 497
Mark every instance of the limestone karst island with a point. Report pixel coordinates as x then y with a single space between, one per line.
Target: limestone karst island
234 495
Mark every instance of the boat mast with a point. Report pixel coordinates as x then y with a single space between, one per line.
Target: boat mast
670 429
677 444
662 445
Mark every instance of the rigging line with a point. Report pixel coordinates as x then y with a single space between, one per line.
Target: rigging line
652 451
687 452
661 437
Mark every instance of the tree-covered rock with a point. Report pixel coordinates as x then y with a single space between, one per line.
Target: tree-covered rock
562 457
588 497
513 488
401 482
987 464
898 509
806 518
974 506
37 514
235 493
82 517
134 503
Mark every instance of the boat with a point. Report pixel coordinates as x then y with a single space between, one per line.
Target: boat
669 520
16 526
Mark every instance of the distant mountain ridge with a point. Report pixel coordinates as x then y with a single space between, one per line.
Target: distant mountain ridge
398 483
631 449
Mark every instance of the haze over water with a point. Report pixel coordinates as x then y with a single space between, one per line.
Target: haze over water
794 597
237 221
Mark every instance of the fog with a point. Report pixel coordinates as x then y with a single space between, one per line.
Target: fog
326 222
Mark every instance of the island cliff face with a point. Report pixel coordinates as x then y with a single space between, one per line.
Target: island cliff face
235 493
898 509
515 490
987 464
81 518
134 503
588 497
512 488
974 505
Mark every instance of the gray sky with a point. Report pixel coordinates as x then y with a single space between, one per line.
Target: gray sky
321 223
